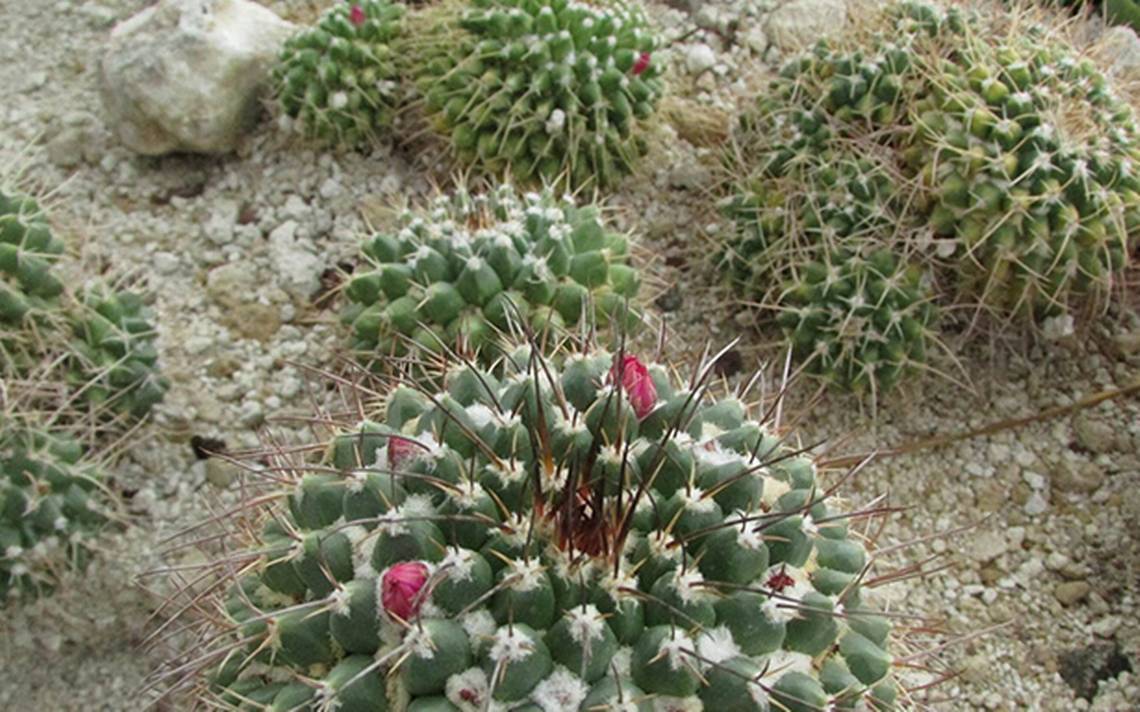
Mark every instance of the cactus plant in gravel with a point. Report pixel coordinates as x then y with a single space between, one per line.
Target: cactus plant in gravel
112 359
51 506
338 80
541 89
575 532
474 266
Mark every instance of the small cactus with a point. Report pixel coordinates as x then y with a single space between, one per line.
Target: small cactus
859 322
51 506
338 80
29 290
542 89
566 533
113 360
477 266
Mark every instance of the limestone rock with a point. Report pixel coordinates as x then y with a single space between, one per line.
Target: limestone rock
187 75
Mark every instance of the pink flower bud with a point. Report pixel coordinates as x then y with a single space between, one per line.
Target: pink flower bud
356 15
400 450
400 589
641 64
638 385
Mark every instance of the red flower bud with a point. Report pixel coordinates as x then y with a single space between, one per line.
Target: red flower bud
780 580
400 589
638 385
356 15
400 450
641 64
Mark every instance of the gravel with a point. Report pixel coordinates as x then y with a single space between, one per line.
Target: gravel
1043 567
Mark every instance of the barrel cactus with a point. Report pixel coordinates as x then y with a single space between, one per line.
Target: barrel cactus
474 266
51 506
861 322
573 532
542 89
338 80
112 359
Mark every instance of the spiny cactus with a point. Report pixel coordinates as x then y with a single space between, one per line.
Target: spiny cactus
51 505
113 360
339 79
542 89
477 265
861 322
28 288
570 533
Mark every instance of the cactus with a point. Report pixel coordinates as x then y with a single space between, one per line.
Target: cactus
29 291
51 506
476 266
541 89
339 79
113 361
860 322
571 532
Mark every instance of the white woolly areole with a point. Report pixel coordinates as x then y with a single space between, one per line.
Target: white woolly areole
585 623
418 505
468 494
481 416
781 662
716 646
808 526
562 690
675 650
458 564
713 454
508 472
688 586
748 534
677 704
525 575
419 641
469 691
696 501
511 645
479 624
774 489
338 602
356 480
622 661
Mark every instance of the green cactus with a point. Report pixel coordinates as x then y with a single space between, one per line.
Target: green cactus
563 533
476 266
29 290
113 361
860 322
339 79
51 505
541 89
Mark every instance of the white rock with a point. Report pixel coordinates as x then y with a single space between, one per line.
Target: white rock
186 75
799 23
1036 504
298 269
756 40
1121 48
699 57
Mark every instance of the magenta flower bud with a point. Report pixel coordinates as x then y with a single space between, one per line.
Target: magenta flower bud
356 15
400 450
638 385
641 64
400 589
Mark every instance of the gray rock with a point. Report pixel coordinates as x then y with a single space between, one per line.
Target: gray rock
800 23
1071 593
298 269
699 57
1077 476
187 75
1094 435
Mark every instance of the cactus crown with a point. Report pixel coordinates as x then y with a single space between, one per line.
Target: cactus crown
473 266
581 532
544 89
339 80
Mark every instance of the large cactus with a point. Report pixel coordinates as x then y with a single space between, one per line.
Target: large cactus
580 532
474 266
541 89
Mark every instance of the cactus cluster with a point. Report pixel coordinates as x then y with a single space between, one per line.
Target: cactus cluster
338 79
564 533
545 89
113 360
28 288
51 506
860 322
474 266
992 155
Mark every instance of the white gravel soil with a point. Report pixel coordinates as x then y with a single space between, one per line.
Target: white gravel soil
231 247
